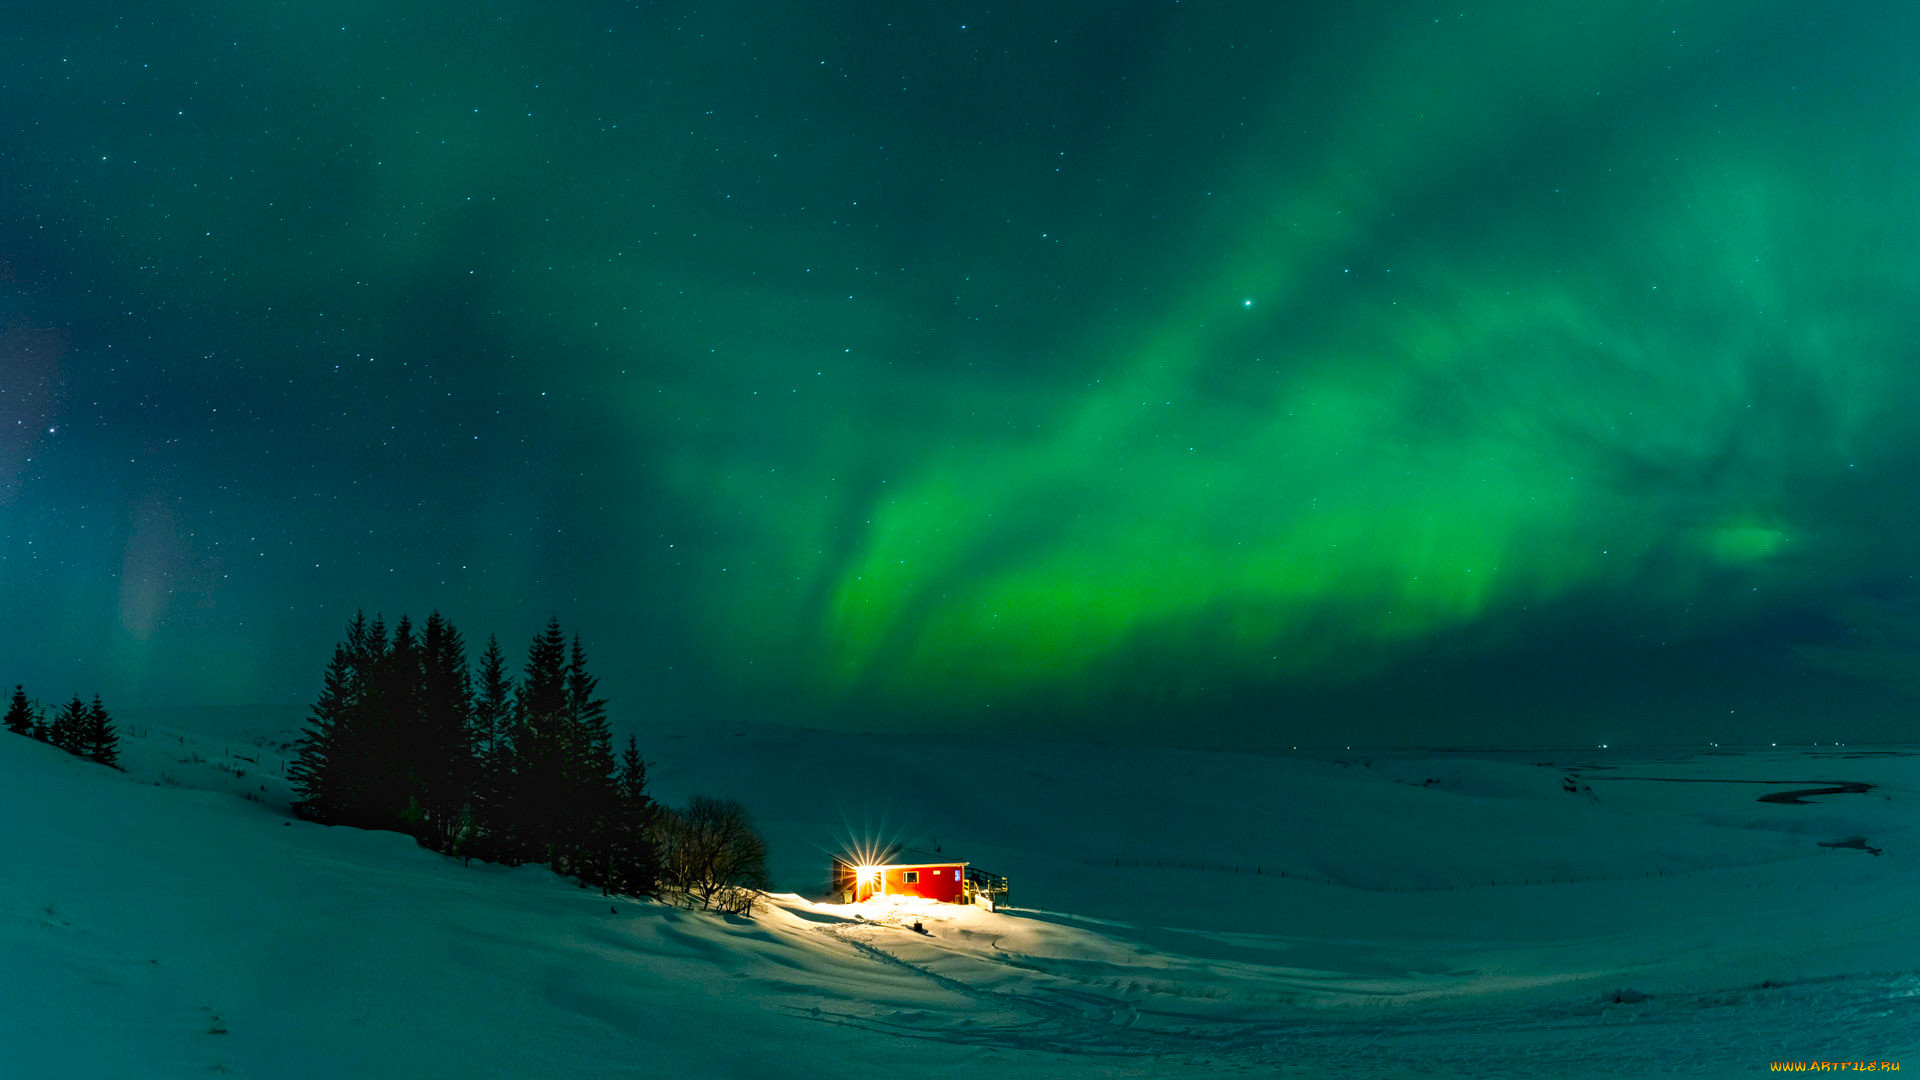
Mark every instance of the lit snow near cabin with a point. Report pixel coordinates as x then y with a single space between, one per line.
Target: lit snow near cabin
1596 913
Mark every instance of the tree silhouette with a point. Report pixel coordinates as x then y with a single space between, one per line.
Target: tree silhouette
69 727
21 718
350 770
492 720
98 740
715 855
394 746
443 765
588 797
319 771
632 847
402 738
536 789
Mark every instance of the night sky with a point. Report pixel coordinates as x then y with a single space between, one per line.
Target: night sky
1213 373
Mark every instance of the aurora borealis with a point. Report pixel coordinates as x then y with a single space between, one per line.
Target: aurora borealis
1238 373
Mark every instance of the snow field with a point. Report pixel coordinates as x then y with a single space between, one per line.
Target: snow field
1440 914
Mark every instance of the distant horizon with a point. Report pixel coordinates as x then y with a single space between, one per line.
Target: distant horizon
297 714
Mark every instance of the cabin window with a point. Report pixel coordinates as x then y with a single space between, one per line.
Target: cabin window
912 877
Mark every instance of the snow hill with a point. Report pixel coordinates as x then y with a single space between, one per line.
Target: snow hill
1595 913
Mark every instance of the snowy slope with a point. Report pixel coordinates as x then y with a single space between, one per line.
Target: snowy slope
1175 914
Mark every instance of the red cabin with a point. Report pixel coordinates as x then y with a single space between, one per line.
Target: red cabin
946 881
943 881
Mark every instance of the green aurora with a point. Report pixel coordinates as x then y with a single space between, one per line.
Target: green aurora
1205 373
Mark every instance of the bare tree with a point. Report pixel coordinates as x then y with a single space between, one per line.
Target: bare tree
714 855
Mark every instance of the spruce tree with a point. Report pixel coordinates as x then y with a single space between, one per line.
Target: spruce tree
70 726
493 698
590 803
587 716
346 773
445 768
98 740
20 719
536 792
543 687
402 738
396 747
633 863
371 644
317 772
360 746
492 717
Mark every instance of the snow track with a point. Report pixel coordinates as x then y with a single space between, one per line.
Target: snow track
1624 1032
1611 1032
1049 1018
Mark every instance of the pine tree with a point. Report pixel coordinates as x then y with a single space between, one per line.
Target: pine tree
98 740
535 791
359 747
70 726
492 718
543 689
633 856
317 773
445 768
347 772
21 718
370 644
589 807
587 716
399 738
493 699
378 756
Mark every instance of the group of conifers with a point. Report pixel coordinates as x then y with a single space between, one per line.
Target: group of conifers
78 728
474 763
477 764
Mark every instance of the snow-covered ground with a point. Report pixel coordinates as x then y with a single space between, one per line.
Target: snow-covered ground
1594 913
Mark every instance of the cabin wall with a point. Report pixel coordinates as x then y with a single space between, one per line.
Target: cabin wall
944 882
941 883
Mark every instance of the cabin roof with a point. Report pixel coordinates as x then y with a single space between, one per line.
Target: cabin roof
906 859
